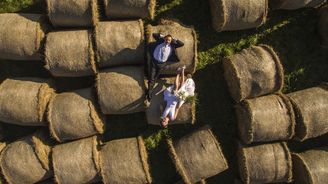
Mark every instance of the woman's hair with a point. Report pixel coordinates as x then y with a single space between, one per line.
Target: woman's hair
189 76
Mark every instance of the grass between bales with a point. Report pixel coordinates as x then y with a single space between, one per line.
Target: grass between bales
292 34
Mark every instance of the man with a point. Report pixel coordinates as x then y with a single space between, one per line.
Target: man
162 52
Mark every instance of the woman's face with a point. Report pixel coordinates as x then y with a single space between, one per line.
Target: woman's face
165 121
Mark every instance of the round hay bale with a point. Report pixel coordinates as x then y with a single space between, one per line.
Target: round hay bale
121 90
124 9
76 162
323 26
73 115
21 36
197 156
264 119
73 13
27 160
23 101
2 179
187 112
187 54
295 4
253 72
311 167
121 165
267 163
70 53
120 43
311 109
231 15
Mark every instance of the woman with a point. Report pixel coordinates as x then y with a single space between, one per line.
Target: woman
176 95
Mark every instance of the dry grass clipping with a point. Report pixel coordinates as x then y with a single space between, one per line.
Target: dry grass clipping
24 101
76 162
70 53
121 90
72 115
257 125
120 166
268 163
311 166
16 47
120 43
198 156
67 13
230 15
310 106
27 160
253 72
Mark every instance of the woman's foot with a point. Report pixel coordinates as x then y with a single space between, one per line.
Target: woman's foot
181 68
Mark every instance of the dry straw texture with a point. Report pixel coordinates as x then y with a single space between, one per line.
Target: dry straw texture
268 163
120 43
295 4
121 90
27 160
264 119
72 13
253 72
186 115
121 165
311 167
72 115
125 9
229 15
70 53
187 54
323 26
23 101
197 156
76 162
311 109
21 36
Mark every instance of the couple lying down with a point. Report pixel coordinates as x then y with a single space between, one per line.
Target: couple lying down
175 96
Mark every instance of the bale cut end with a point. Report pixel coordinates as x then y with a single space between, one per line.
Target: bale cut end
144 158
301 171
219 14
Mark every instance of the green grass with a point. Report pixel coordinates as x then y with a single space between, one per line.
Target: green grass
292 34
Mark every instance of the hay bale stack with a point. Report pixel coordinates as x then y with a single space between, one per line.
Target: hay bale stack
311 167
187 113
197 156
2 146
120 43
121 90
264 119
126 9
73 13
268 163
70 53
323 26
187 54
253 72
73 115
311 109
125 161
23 101
21 36
76 162
230 15
27 160
295 4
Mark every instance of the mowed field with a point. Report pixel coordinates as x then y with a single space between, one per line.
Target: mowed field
292 34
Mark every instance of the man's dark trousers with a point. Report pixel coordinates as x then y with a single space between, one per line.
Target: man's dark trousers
155 71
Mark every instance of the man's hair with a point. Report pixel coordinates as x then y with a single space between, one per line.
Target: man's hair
168 36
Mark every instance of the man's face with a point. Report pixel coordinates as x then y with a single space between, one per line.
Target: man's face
168 40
